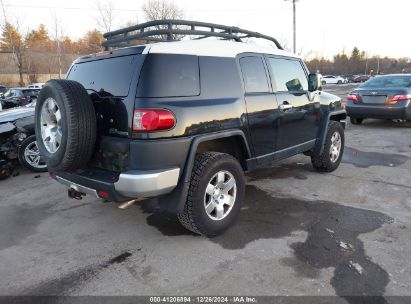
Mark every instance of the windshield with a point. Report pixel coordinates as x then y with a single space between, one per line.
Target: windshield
388 82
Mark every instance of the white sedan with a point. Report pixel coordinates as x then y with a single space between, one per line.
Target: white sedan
331 79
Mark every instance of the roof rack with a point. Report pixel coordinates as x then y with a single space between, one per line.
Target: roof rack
172 29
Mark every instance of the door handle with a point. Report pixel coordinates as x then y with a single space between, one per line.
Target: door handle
285 106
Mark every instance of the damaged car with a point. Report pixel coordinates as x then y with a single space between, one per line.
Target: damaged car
18 142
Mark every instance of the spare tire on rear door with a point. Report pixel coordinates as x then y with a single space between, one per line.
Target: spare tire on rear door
65 124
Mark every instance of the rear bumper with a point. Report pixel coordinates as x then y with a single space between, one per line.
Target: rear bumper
127 185
147 183
397 111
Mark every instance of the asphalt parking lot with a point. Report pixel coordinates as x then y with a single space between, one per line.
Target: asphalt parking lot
299 233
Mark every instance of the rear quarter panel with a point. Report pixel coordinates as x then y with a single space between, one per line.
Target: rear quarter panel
219 106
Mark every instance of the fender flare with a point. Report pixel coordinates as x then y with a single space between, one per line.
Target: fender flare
319 144
207 137
174 202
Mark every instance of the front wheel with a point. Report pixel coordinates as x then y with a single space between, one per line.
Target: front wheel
330 157
29 155
215 195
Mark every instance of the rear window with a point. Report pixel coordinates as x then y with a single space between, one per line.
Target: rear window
111 75
169 75
31 92
388 82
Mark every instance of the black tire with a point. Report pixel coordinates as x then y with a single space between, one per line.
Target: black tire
323 82
339 82
194 216
23 158
356 121
6 169
78 125
323 162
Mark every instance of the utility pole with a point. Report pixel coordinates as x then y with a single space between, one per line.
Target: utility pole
294 26
378 65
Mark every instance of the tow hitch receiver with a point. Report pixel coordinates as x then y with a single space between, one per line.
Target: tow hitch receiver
73 193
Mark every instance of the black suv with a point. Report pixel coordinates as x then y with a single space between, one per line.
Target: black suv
183 121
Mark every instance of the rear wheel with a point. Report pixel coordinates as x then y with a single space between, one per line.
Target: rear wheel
215 195
356 121
330 157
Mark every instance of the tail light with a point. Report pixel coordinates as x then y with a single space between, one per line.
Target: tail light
398 98
22 97
148 120
103 194
353 97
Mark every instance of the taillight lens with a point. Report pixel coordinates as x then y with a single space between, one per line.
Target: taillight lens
103 194
21 97
148 120
353 98
398 98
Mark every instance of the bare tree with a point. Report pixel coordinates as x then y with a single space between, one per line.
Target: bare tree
106 15
57 37
162 10
13 40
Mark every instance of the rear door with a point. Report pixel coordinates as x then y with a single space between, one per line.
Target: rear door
299 117
262 108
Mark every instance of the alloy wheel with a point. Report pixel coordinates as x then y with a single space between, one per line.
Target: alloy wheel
220 195
335 148
51 131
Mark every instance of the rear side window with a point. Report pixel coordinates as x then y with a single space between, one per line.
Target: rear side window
109 75
169 75
289 74
255 78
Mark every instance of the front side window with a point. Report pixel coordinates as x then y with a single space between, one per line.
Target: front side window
289 74
255 78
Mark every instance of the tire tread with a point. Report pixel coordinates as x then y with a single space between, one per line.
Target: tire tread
201 162
321 162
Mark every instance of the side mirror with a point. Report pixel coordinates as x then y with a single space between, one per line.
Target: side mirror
314 82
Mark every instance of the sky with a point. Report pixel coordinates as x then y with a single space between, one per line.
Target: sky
324 27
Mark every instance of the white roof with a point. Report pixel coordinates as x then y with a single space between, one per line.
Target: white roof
208 47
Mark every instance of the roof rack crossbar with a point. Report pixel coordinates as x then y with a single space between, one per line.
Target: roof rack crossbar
167 30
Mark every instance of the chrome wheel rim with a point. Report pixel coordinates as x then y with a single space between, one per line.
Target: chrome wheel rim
32 156
220 195
335 148
50 119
